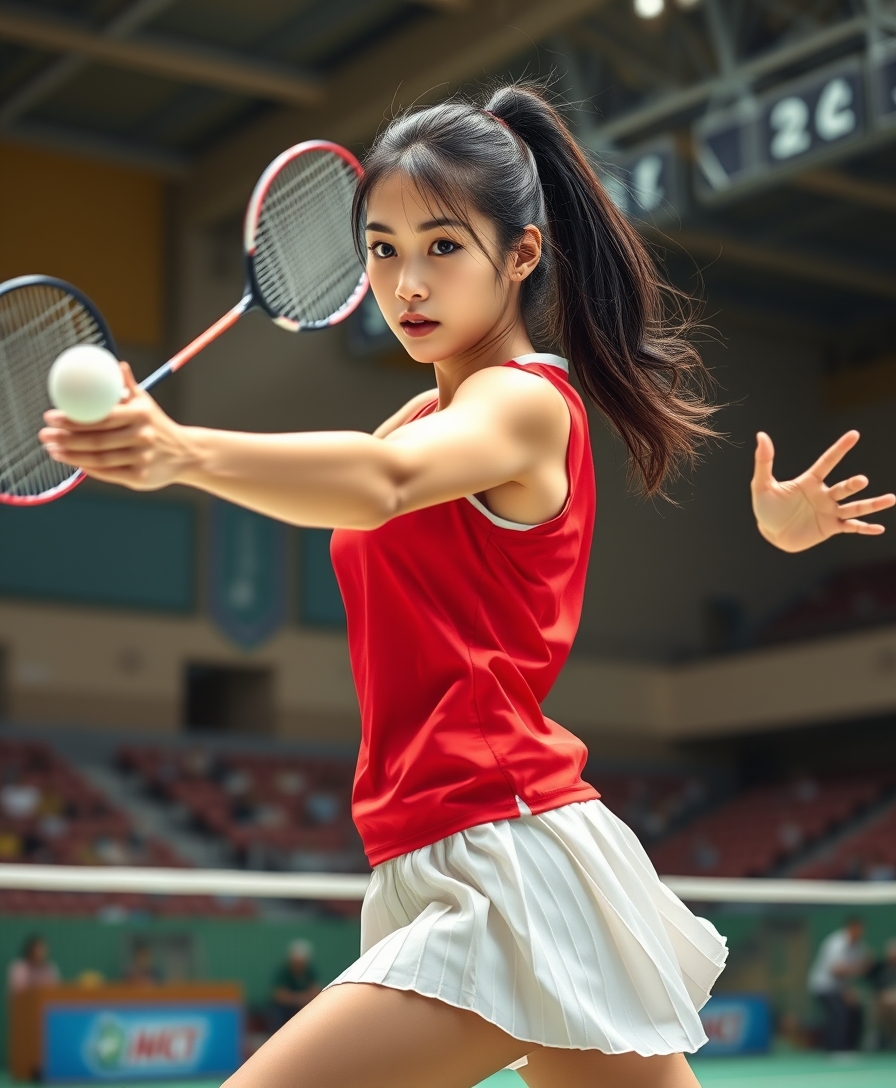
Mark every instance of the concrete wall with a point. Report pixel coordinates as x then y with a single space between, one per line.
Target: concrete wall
77 666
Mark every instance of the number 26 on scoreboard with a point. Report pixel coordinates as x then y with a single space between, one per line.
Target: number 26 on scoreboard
806 118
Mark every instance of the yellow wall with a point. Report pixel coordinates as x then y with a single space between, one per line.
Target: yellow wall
98 226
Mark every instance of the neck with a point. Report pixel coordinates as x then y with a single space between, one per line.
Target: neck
494 349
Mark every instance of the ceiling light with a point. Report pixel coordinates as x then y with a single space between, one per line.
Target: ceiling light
649 9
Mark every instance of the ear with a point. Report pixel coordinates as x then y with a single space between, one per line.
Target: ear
526 254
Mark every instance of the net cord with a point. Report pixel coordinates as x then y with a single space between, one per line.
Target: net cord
233 882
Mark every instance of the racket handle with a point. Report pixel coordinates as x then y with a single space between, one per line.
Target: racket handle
195 346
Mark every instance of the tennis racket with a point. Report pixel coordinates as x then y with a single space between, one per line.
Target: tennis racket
302 270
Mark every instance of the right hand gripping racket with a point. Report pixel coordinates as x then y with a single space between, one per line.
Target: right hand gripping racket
302 270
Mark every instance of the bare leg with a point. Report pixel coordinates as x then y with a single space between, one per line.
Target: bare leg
552 1068
364 1034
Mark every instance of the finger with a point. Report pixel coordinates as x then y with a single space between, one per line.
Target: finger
120 416
863 507
763 461
123 458
91 441
833 455
865 528
130 382
845 488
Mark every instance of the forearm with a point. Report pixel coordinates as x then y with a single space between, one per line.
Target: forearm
343 479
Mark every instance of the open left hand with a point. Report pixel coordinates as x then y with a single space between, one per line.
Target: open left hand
798 514
136 445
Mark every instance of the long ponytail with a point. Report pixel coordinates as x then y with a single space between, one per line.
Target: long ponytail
597 293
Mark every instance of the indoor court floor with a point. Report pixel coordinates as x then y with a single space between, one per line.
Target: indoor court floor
780 1071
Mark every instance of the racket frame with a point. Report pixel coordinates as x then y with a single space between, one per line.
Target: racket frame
252 299
252 296
109 342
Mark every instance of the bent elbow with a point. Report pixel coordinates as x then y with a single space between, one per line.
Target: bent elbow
383 505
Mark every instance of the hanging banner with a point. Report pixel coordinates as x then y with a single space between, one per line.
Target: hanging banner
248 573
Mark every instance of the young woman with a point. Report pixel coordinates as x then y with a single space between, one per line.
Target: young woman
511 918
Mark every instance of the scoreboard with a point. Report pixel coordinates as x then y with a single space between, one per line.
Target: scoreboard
819 117
644 182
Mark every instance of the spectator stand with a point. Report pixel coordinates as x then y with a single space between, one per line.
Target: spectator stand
49 814
283 812
765 827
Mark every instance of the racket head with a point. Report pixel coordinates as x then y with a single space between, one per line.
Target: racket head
302 264
40 316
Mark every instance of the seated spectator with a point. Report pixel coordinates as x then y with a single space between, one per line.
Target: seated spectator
880 868
841 958
322 806
19 800
295 983
141 970
882 977
11 846
33 968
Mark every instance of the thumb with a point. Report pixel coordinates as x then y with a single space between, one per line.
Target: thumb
765 456
130 382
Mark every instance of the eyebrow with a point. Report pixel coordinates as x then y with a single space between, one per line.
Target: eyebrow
429 224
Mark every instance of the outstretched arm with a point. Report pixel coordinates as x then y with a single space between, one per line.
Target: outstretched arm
499 427
797 514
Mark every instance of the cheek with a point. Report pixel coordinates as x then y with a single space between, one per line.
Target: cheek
382 288
475 284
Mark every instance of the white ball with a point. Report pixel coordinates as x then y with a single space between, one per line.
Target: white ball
85 383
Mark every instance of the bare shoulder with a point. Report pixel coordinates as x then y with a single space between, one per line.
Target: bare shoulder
517 399
404 413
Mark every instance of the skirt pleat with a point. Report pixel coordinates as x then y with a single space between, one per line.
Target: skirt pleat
555 927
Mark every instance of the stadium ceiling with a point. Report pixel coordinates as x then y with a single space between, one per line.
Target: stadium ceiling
759 134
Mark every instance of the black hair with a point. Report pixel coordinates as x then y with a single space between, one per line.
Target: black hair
596 294
30 943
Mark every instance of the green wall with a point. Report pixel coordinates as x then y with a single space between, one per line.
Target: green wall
249 952
130 551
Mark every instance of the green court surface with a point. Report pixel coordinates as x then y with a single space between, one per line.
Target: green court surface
780 1071
799 1071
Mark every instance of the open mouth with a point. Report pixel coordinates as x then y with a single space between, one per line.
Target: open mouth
418 327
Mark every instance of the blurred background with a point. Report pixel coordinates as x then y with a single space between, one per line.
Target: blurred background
174 681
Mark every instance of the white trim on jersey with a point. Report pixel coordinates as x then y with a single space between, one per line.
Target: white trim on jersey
542 357
545 359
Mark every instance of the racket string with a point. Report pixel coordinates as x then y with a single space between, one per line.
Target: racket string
306 264
37 323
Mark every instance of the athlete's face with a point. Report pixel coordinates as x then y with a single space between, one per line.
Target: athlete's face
424 264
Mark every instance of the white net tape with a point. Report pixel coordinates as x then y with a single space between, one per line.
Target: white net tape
37 323
305 260
228 882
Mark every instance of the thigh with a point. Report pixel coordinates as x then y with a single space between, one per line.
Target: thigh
359 1033
549 1067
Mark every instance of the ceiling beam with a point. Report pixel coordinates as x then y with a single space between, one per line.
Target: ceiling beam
64 69
160 57
803 267
415 65
843 187
445 5
73 141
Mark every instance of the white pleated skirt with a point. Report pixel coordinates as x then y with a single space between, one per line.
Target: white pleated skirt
554 927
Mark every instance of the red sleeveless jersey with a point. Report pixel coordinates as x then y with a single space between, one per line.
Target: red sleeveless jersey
458 625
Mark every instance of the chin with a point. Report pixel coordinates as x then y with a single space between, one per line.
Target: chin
426 358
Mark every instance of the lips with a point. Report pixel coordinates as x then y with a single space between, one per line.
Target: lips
416 325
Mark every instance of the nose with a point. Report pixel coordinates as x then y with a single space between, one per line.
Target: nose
410 284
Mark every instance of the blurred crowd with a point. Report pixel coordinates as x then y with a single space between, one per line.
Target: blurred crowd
854 990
